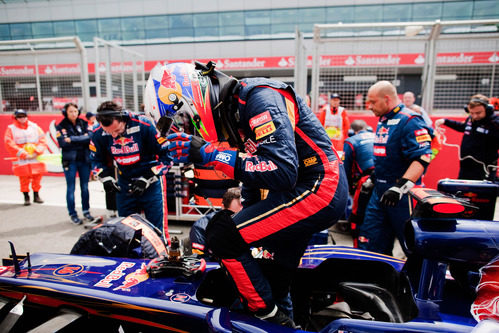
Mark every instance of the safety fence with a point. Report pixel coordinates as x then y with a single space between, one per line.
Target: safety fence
443 63
45 74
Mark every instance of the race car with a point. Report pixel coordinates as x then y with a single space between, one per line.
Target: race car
336 289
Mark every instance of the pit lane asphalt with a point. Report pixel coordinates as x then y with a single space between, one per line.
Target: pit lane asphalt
46 227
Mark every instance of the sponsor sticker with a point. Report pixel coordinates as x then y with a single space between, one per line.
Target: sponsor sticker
260 167
68 270
180 298
133 129
223 157
423 138
264 130
421 131
134 278
260 119
310 161
115 274
379 151
127 160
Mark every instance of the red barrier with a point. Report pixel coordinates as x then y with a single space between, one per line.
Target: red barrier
445 165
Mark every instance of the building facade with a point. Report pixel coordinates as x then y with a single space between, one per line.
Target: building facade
245 38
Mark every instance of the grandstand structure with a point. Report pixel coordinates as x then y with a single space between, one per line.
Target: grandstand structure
124 39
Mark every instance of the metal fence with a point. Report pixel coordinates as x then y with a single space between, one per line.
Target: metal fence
119 74
30 78
443 63
45 74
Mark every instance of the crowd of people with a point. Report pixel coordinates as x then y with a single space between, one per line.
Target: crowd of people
284 156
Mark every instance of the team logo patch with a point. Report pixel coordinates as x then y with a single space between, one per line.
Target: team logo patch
379 151
423 138
311 161
264 130
260 119
91 146
426 157
250 147
393 122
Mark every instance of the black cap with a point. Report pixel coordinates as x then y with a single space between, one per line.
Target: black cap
20 112
89 115
335 95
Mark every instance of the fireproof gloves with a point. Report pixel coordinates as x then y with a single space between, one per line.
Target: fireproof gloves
186 148
110 184
138 186
392 196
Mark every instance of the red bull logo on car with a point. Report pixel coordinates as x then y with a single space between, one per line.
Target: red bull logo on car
134 278
115 275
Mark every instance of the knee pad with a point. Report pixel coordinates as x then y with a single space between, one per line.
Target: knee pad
223 238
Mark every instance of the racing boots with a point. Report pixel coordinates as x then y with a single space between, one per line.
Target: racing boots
36 198
279 317
26 199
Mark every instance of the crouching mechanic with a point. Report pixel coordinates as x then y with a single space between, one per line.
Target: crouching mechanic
277 144
402 151
134 145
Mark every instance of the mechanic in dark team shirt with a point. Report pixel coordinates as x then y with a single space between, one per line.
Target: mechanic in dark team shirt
478 156
402 151
133 142
293 183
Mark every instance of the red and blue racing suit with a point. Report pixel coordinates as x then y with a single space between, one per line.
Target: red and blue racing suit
135 152
289 157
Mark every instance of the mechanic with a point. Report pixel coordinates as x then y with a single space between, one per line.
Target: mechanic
408 99
135 146
25 140
358 161
335 120
478 152
73 138
231 201
293 183
402 151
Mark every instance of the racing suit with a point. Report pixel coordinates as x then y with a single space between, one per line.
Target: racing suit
481 142
138 152
401 137
358 160
290 156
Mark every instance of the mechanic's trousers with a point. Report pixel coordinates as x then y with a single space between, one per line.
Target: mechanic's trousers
276 231
153 203
381 224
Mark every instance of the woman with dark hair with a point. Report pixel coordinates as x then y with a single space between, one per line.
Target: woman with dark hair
73 137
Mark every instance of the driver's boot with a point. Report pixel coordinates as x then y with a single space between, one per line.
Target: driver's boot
26 199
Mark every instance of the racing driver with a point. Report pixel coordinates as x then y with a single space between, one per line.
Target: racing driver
293 183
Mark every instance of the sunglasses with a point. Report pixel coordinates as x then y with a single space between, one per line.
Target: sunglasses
105 120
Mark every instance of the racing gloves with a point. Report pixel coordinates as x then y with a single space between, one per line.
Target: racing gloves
392 196
186 148
140 185
110 184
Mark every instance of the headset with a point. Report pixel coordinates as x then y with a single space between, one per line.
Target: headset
65 109
489 108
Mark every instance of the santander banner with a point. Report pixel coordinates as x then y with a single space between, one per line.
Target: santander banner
357 60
